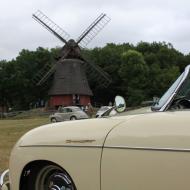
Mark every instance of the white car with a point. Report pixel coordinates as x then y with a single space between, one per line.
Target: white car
68 113
147 151
102 110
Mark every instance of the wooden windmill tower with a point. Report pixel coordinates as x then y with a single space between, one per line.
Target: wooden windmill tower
72 71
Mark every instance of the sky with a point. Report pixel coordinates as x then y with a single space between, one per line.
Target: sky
131 21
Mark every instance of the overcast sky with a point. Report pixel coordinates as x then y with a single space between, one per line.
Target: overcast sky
131 21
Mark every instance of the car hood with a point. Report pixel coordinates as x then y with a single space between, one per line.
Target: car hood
91 132
141 110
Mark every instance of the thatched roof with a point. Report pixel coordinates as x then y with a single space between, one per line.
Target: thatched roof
70 78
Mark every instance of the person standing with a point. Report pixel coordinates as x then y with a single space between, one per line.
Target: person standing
90 110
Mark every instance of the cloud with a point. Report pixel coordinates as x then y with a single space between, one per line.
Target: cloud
132 21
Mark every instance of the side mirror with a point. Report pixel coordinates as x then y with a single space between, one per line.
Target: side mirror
120 104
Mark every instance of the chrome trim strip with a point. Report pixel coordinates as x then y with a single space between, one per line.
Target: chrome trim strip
72 146
80 141
113 147
148 148
2 177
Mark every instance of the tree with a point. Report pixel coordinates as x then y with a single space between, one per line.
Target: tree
3 98
138 72
133 72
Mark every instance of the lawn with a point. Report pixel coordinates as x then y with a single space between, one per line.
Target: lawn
11 131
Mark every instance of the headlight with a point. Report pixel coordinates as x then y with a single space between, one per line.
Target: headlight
4 181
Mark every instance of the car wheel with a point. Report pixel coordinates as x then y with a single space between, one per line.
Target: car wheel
53 178
53 120
73 118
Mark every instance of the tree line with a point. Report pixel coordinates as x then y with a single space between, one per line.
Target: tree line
139 72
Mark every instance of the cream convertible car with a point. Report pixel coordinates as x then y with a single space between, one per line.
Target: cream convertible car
134 152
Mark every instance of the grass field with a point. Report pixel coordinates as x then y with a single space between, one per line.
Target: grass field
11 131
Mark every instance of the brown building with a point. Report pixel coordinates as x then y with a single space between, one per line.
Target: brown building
70 85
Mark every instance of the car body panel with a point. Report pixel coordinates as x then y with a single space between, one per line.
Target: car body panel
157 130
64 116
154 150
74 139
136 111
77 133
84 167
145 170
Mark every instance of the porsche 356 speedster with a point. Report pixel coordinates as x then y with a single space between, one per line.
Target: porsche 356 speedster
149 151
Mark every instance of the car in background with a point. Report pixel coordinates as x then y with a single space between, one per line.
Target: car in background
68 113
102 110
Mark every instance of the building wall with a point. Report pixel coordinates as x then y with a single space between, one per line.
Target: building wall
67 100
84 100
60 100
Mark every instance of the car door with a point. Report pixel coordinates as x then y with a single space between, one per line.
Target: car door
148 152
63 114
69 113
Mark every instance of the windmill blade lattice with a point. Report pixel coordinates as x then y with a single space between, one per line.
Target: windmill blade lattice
51 26
49 68
41 77
87 36
94 72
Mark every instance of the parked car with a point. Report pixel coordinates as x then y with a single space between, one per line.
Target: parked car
146 151
102 110
68 113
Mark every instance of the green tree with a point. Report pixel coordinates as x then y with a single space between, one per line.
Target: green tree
133 72
138 72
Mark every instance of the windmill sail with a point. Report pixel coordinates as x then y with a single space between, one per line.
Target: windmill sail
86 37
51 26
71 48
94 72
47 71
44 74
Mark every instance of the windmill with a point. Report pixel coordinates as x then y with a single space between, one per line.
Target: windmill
72 71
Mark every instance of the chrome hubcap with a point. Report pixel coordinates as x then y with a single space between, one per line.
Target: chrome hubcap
53 178
59 181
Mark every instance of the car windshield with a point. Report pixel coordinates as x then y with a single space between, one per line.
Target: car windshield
167 94
184 91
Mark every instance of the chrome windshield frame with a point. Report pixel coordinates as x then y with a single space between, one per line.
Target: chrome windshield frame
170 99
